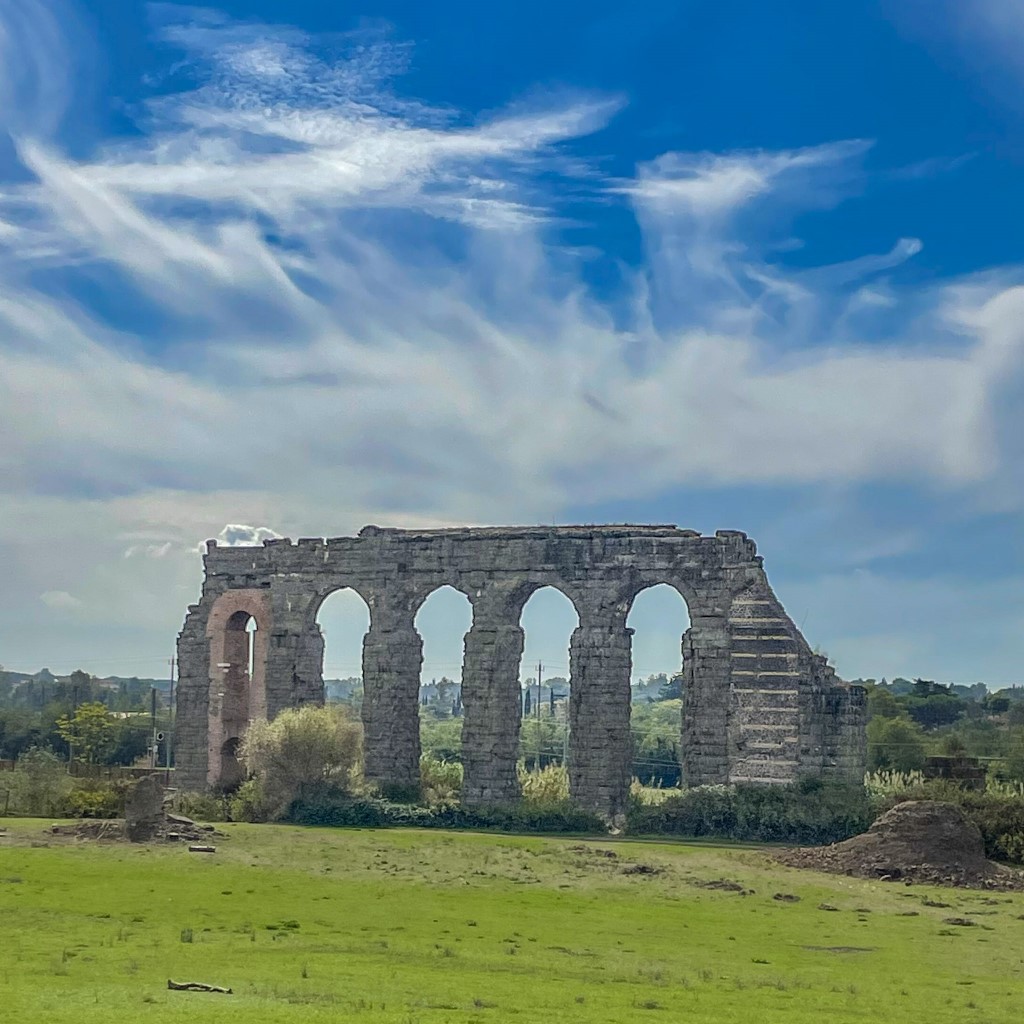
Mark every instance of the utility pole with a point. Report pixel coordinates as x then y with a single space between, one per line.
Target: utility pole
540 669
170 728
152 724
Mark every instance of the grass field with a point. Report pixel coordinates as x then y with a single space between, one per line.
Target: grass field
403 926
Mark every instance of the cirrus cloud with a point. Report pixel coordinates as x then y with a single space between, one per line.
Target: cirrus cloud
296 297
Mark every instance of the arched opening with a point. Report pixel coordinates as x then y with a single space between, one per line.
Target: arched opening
250 629
548 621
442 621
233 697
344 620
658 617
238 627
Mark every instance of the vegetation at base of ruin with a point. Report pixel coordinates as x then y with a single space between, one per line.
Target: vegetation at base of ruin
525 816
815 812
308 925
810 812
303 752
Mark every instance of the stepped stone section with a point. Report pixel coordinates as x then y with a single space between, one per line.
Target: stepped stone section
759 704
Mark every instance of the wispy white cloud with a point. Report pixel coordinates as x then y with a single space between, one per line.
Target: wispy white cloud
336 305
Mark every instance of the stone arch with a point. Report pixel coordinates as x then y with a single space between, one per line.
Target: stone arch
335 637
444 642
661 763
521 591
237 695
335 585
545 712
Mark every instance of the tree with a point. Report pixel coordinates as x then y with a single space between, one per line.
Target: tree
671 689
90 731
895 743
40 783
882 704
1015 758
446 688
935 709
303 753
441 738
997 704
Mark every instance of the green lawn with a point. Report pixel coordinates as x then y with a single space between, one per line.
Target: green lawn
326 925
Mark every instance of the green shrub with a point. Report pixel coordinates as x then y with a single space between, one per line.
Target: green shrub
96 800
304 751
250 803
440 781
39 785
341 811
398 792
547 785
201 806
809 812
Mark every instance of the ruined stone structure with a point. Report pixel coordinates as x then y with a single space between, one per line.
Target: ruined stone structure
760 705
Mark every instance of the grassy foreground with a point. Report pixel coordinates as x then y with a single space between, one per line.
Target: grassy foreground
406 926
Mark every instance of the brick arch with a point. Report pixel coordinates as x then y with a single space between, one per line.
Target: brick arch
235 699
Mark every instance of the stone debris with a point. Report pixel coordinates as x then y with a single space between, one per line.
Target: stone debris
144 809
925 842
146 821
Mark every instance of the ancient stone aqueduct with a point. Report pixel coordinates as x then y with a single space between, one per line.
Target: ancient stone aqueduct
759 704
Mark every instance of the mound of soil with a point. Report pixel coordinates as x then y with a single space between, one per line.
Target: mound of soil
922 841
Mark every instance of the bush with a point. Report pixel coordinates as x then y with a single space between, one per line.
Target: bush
201 806
809 812
96 800
547 785
39 785
339 810
301 753
440 781
250 803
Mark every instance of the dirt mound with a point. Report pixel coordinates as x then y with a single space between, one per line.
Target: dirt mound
922 841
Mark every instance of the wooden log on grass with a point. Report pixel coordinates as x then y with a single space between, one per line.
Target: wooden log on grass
196 986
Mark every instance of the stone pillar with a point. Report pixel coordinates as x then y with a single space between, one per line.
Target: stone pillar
309 666
600 744
191 703
706 704
392 658
492 705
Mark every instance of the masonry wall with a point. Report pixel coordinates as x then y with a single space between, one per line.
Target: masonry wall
760 706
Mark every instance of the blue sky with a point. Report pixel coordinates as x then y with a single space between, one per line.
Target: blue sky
724 264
